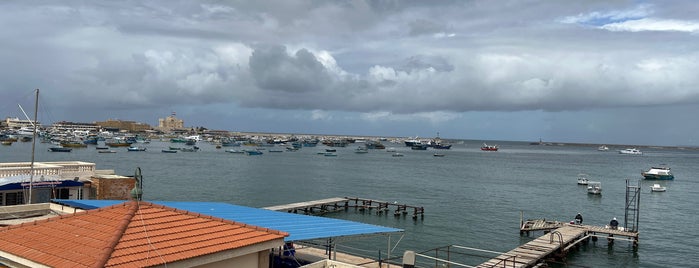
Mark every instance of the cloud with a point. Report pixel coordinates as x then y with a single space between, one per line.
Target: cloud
650 24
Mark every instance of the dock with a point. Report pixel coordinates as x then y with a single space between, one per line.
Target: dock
558 239
322 206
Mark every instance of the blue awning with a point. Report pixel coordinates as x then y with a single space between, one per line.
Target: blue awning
300 227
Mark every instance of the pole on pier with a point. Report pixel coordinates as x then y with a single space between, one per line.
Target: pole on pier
409 259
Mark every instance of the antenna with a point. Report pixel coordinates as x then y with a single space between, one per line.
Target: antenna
31 169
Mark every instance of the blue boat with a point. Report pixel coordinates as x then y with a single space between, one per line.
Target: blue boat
253 152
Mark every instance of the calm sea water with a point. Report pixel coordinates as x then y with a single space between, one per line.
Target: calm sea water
471 198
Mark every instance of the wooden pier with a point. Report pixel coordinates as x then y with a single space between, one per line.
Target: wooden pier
323 206
557 240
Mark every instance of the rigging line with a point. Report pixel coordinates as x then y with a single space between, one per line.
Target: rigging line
145 230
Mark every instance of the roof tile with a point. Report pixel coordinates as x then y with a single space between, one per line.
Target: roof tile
128 234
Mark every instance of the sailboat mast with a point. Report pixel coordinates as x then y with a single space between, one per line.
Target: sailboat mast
31 175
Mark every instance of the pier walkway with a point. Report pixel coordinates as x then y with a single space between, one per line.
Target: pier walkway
323 206
554 244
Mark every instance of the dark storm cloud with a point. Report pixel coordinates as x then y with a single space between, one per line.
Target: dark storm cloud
397 57
273 69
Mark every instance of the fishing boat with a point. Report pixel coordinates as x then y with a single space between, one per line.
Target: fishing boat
60 149
118 143
632 151
253 152
487 147
136 149
419 146
188 149
361 150
73 144
594 187
582 179
657 188
658 173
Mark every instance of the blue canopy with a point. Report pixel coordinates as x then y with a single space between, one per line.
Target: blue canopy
300 227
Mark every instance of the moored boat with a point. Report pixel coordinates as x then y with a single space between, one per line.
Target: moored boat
582 179
136 149
658 173
169 151
594 187
60 149
633 151
253 152
603 148
487 147
657 188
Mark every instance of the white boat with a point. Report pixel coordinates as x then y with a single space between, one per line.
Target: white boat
603 148
657 188
582 179
594 187
658 173
630 151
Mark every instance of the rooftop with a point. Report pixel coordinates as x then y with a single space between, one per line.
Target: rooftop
126 234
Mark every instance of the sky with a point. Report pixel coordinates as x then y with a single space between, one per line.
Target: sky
607 72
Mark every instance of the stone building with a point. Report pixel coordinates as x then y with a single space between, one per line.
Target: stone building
170 123
130 126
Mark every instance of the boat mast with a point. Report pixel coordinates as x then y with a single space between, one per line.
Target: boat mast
31 169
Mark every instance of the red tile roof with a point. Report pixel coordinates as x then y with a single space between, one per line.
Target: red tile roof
128 235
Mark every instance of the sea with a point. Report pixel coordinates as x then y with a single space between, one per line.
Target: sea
471 198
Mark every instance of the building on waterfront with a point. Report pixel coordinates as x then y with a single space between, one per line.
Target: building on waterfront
16 123
137 234
65 126
170 123
116 125
59 180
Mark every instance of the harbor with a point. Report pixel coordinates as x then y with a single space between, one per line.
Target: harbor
466 199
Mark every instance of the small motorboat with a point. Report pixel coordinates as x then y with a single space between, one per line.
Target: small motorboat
106 151
632 151
136 149
657 188
397 155
582 179
594 187
487 147
169 151
438 155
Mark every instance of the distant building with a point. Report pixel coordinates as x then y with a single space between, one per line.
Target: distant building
73 126
17 123
170 123
131 126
